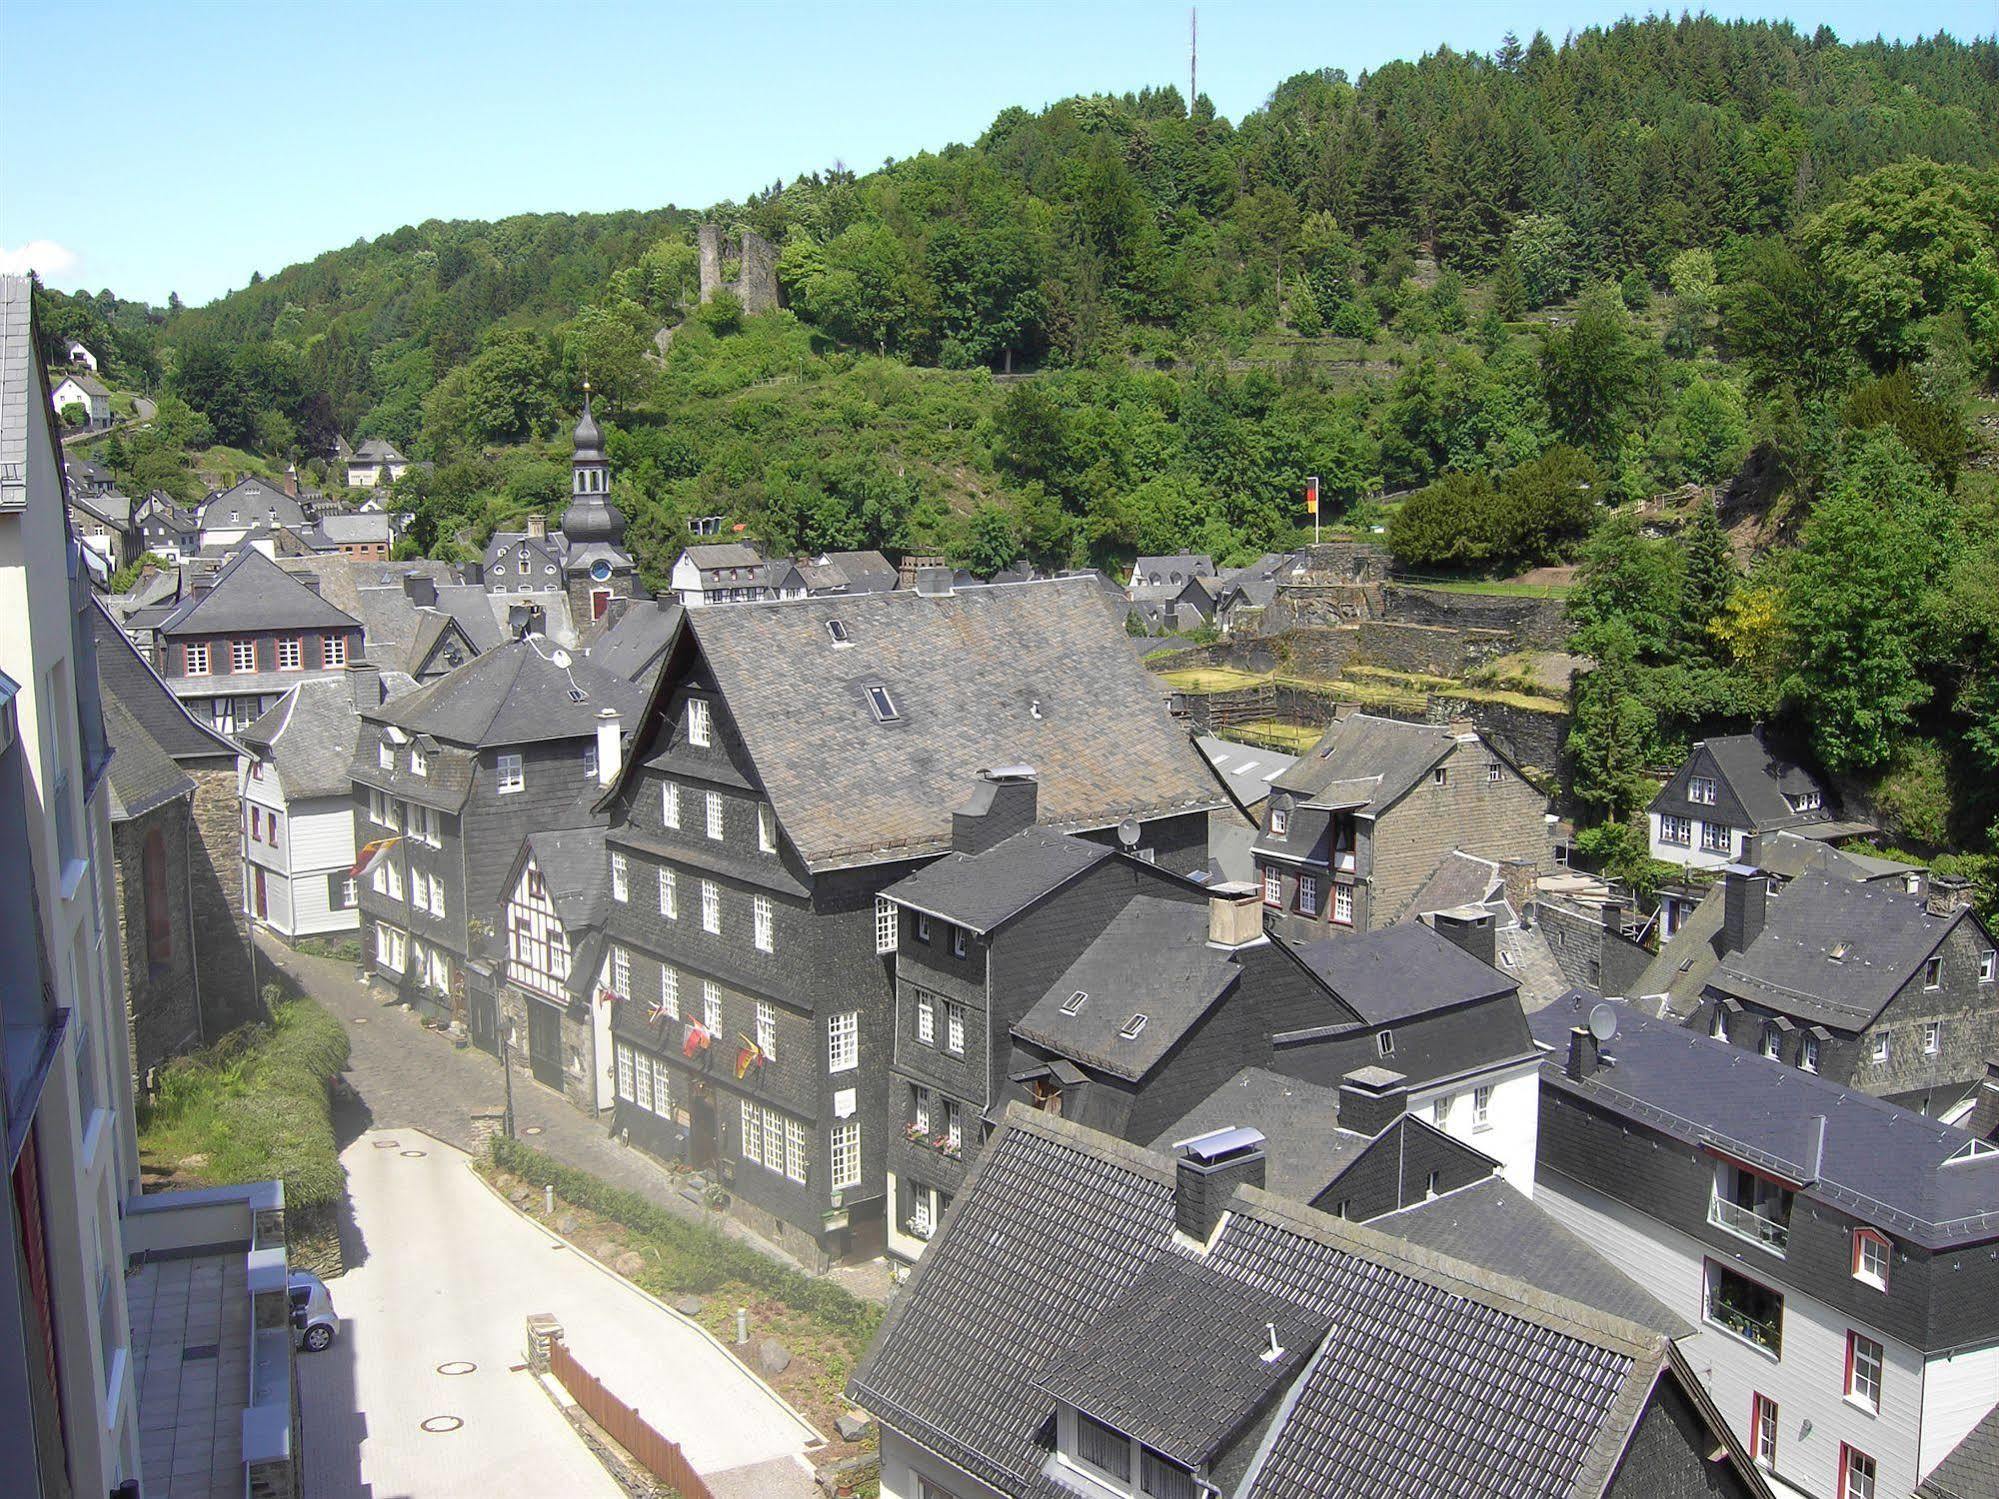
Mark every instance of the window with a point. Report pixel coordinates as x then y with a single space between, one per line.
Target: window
256 824
1808 1053
836 630
243 655
419 892
922 1209
1481 1107
1772 1042
1440 776
1877 1049
764 923
1162 1478
1103 1448
919 1108
922 927
291 653
511 777
846 1155
957 942
662 1097
926 1019
954 1028
590 760
1679 830
621 972
1132 1028
1719 1030
194 658
794 1150
669 804
1280 821
669 992
642 1095
1745 1309
711 906
1933 973
669 896
715 815
698 722
1750 1206
711 1007
882 705
1701 789
1856 1473
1308 895
625 1073
385 755
843 1041
767 1028
1717 837
1763 1431
1932 1037
1806 801
620 878
333 650
1384 1043
1492 772
954 1133
1343 904
1863 1371
752 1134
1870 1258
1273 887
419 766
886 924
1988 963
766 829
1440 1110
390 951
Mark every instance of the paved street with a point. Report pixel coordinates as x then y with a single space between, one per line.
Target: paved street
446 1272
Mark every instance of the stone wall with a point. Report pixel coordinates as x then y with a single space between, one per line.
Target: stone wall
1346 562
162 999
1533 738
221 929
1535 624
755 285
1428 650
1303 605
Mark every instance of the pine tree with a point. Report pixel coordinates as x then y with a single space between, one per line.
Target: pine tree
1509 290
1711 577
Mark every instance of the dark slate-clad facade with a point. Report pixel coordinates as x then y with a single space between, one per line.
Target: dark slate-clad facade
1735 787
1838 1255
796 759
1096 1318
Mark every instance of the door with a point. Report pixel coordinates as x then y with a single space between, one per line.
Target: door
545 1043
701 1131
482 1019
600 600
263 897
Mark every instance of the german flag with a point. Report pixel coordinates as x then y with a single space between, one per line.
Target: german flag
372 855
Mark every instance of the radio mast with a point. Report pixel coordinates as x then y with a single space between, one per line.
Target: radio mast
1193 58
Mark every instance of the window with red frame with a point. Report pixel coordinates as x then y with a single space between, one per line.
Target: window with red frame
1870 1258
1856 1473
1763 1430
1864 1367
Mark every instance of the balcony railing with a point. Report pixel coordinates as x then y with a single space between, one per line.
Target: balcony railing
1765 1335
1747 1223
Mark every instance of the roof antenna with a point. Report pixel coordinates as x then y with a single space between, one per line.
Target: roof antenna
1275 1351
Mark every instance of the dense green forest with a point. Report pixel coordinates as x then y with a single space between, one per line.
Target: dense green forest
1497 303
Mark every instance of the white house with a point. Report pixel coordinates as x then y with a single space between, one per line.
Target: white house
87 391
298 811
375 463
728 572
1731 787
79 357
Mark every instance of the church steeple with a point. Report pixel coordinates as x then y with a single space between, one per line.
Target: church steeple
591 516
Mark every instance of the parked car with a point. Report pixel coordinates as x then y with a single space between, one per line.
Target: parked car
313 1316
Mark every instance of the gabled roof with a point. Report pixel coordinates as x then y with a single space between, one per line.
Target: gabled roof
1755 775
1434 1372
1247 770
982 892
88 383
1401 971
252 592
864 572
1366 763
710 556
515 694
1880 933
142 775
1304 1146
309 736
1878 1161
575 873
637 640
376 450
251 501
128 678
111 507
355 527
1017 674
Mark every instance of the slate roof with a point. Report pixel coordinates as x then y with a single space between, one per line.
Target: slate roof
252 592
142 774
1400 971
983 892
23 383
1885 933
1435 1378
251 501
1247 770
1791 854
1017 674
355 527
1971 1470
865 572
1755 774
1366 762
1460 879
112 508
514 695
374 450
1881 1162
576 874
1304 1147
637 639
1187 565
126 676
1153 959
309 735
712 556
89 384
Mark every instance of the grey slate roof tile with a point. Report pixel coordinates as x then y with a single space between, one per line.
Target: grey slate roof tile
252 592
982 892
516 694
309 736
1971 1470
1304 1147
129 678
1366 761
142 774
1401 970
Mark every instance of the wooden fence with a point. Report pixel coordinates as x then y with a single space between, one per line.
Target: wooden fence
624 1425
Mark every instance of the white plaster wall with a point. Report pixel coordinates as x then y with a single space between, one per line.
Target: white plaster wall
1957 1392
1514 1131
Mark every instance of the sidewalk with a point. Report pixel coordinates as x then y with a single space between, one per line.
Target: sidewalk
406 1074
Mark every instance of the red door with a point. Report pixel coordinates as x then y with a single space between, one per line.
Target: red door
263 913
600 600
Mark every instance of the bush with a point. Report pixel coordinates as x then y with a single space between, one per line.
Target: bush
690 1256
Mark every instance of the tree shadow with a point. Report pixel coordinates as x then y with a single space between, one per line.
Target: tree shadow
352 1118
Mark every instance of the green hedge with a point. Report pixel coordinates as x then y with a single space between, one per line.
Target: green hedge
257 1105
691 1256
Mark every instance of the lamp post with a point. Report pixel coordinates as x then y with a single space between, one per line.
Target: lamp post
507 1069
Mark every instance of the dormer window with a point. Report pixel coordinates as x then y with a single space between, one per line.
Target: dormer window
837 630
419 766
385 756
1870 1258
1133 1027
1805 801
1280 821
1701 789
1384 1043
882 705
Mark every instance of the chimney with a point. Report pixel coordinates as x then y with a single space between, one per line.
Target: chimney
1517 877
1469 927
1235 914
610 746
364 683
933 582
1583 1056
537 526
1612 907
1752 849
1209 1169
1745 896
1371 1099
291 480
1001 804
420 590
1949 894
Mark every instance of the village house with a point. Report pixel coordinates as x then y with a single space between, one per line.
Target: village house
1838 1255
723 572
85 391
1734 786
103 523
555 984
165 529
375 463
796 760
1098 1319
236 643
227 517
367 534
1357 830
77 356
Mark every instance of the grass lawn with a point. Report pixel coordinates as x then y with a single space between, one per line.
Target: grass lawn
1212 679
1495 586
1292 738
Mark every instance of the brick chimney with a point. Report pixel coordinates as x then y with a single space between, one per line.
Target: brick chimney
537 526
1584 1057
1371 1099
1235 914
1469 927
291 480
364 682
1002 803
1208 1170
1745 894
1949 894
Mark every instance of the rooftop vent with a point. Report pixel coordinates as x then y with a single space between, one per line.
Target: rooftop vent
933 582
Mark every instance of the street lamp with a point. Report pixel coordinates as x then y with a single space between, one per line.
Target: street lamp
507 1067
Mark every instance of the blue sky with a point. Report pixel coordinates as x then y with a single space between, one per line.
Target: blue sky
156 147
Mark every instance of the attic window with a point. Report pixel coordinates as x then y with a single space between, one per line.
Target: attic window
1074 1002
1840 950
577 694
1129 1031
1384 1043
837 629
882 705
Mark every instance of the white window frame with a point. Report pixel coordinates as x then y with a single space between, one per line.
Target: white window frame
960 942
621 972
1273 885
513 774
1308 894
711 1007
1702 790
669 804
766 829
700 722
333 650
238 651
1481 1107
291 653
954 1028
715 815
191 652
419 766
1988 966
926 1018
669 895
1868 1244
625 1088
1866 1372
750 1142
1717 838
1763 1423
1932 1037
888 925
843 1041
1441 1108
1878 1049
642 1092
1280 821
1933 973
1676 830
385 755
621 879
767 1028
795 1165
763 923
669 991
1860 1474
846 1155
1384 1043
1342 903
1808 1053
711 906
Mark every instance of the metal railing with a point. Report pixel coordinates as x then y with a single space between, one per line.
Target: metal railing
1766 1335
1747 1223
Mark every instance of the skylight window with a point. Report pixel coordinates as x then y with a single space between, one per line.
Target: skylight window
1074 1002
1840 950
1133 1026
837 629
882 705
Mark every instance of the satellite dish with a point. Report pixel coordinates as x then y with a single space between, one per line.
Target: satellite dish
1127 832
1603 1023
560 658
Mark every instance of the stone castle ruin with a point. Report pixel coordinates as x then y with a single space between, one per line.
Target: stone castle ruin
755 282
